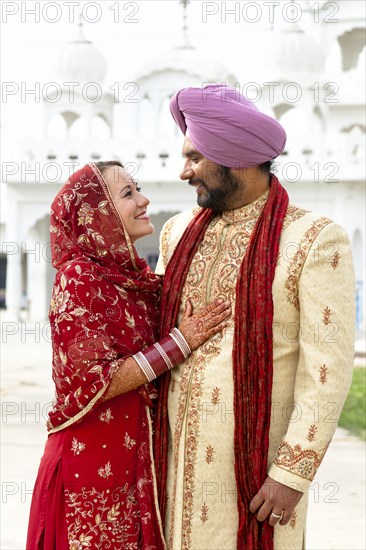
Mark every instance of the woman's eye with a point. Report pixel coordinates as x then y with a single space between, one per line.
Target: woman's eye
138 189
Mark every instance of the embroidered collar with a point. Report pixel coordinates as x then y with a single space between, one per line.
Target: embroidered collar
248 212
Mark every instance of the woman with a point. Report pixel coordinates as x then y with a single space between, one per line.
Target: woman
96 487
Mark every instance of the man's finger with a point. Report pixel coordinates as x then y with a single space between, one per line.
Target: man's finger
275 517
264 511
256 502
286 517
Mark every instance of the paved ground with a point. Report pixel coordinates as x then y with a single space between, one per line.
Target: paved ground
337 499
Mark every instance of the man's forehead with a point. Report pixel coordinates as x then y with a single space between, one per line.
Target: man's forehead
188 147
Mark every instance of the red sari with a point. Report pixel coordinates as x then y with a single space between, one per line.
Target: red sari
96 483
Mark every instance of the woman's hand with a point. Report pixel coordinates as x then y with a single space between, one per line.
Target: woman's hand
208 320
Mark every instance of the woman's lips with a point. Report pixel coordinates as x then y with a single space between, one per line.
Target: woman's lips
143 216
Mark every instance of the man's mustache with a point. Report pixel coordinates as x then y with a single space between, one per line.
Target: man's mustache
197 182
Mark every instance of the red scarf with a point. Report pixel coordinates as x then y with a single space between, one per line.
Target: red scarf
104 300
252 357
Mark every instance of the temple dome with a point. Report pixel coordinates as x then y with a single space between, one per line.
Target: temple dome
189 60
81 62
297 52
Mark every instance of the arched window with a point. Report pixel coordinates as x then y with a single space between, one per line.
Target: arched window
352 43
57 128
100 127
79 129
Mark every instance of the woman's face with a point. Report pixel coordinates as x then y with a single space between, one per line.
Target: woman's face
130 203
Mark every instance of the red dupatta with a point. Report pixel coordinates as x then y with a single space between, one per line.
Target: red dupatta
105 299
252 357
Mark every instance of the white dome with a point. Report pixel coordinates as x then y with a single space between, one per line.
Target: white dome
81 62
296 52
189 60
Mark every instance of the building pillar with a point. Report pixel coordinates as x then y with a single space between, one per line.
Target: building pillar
13 280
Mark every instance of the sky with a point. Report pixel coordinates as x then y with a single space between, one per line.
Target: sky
130 34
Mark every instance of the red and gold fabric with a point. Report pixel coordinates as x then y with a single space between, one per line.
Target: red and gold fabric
97 474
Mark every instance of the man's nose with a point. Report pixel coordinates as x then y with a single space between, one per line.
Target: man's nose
187 172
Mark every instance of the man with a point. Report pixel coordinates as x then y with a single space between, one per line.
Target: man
250 414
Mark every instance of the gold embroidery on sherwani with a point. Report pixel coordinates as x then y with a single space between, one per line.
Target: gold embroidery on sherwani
292 215
204 513
215 397
326 316
293 519
296 263
213 273
302 462
209 454
323 376
335 260
312 433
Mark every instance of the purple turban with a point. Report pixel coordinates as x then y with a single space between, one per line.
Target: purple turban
226 127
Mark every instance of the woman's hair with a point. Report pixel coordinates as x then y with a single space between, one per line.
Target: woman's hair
102 166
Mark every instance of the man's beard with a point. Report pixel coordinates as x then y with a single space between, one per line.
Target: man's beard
220 198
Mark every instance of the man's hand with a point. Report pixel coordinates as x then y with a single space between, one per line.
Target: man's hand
275 499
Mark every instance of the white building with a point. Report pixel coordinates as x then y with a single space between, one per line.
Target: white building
314 86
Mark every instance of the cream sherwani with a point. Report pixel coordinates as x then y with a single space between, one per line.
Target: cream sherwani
313 329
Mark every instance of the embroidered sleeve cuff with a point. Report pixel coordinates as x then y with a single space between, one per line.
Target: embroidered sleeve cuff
289 478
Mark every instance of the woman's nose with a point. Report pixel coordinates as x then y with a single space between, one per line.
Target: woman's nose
143 201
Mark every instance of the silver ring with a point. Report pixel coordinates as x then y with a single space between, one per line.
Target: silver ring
276 516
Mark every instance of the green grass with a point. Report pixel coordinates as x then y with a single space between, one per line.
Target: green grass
353 416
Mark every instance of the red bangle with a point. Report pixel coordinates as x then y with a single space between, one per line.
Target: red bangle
163 355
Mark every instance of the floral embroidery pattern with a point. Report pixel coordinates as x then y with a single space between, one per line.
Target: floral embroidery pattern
215 398
204 513
293 214
293 520
335 260
129 442
295 266
95 519
85 214
77 447
326 316
106 416
302 462
106 471
323 374
209 454
59 300
312 433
